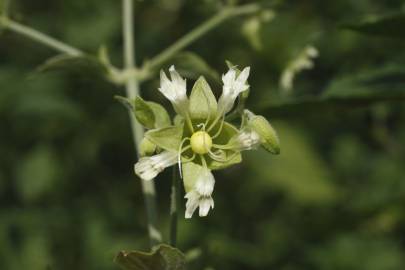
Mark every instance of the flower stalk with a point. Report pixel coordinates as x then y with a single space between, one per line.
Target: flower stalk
132 91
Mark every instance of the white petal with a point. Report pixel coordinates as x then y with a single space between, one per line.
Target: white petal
174 90
244 75
192 203
148 168
232 88
229 77
205 183
205 206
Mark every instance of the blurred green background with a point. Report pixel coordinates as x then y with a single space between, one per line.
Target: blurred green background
334 199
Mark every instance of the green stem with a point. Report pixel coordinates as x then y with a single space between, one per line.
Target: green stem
39 37
132 90
174 202
196 33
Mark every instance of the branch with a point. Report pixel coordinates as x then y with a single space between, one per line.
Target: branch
223 15
39 37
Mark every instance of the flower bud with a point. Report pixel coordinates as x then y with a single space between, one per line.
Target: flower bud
268 136
146 148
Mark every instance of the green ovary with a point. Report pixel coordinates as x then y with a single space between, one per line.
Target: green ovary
201 142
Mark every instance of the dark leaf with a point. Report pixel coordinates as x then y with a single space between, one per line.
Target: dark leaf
79 64
386 84
387 26
163 258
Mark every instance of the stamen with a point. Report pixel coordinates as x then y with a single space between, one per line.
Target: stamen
216 121
219 130
223 147
215 157
179 155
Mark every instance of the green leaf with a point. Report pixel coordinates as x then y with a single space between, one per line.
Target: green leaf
346 93
386 26
168 138
192 66
203 104
144 113
79 64
163 258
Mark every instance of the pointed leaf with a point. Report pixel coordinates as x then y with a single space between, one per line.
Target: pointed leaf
163 258
203 104
80 64
168 138
387 26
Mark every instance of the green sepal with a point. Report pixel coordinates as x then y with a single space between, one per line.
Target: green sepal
162 118
268 135
191 172
178 120
234 158
144 113
231 65
164 257
203 103
126 102
228 132
149 114
168 138
146 147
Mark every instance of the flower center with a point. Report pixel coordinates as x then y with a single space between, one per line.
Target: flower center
201 142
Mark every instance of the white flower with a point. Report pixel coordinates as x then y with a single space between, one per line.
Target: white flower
233 86
148 168
247 139
200 195
174 90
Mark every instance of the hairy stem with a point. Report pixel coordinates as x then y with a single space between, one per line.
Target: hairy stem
39 37
224 14
132 90
174 202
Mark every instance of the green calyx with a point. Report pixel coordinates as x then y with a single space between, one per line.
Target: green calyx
268 135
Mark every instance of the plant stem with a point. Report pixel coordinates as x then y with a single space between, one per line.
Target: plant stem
224 14
174 202
132 90
39 37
